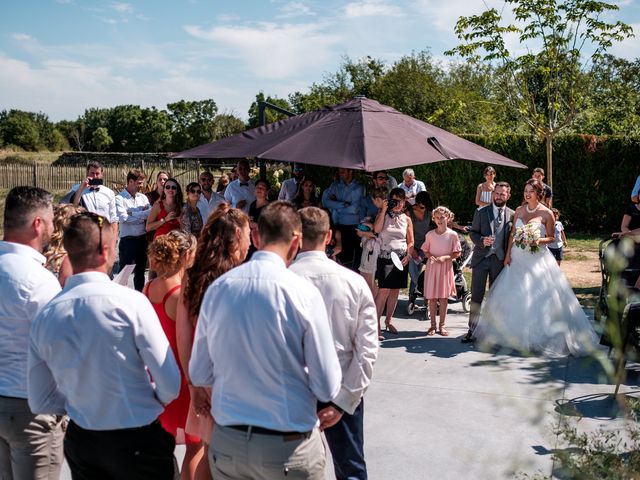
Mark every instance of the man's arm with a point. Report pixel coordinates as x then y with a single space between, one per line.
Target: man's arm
358 375
283 191
155 351
200 364
43 393
475 233
635 193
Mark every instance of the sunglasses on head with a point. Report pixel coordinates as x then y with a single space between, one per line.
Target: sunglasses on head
170 187
99 221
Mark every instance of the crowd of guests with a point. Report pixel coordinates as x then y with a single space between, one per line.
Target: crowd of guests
228 356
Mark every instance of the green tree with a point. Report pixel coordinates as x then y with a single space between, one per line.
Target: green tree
270 114
101 139
545 85
192 123
20 129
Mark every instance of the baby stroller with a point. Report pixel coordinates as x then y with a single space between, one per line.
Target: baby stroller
463 294
628 276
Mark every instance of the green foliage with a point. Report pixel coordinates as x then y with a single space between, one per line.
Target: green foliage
270 114
545 85
101 139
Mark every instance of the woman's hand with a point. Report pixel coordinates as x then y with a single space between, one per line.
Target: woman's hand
170 216
507 259
405 260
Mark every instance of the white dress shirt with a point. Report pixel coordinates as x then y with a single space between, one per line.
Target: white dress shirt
132 213
353 319
236 191
266 348
207 206
26 288
288 189
94 351
101 201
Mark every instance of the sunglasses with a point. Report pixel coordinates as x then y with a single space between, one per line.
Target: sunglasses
197 192
99 221
382 178
170 187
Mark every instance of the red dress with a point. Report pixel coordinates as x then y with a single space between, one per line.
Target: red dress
174 417
166 227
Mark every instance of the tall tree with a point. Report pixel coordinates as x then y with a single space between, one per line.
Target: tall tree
270 115
558 38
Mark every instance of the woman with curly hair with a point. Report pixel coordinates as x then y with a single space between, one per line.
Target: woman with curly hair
224 243
57 258
169 256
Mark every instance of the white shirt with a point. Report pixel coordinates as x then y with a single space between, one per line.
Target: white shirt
207 206
132 213
288 189
101 201
412 190
266 348
236 192
353 319
26 288
93 351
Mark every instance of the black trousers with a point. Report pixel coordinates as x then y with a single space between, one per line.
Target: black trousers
127 454
351 249
134 250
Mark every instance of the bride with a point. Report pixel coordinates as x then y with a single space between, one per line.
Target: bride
531 307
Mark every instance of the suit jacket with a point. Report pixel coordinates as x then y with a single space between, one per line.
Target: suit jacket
481 227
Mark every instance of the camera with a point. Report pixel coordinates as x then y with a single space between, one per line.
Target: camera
95 181
392 203
363 228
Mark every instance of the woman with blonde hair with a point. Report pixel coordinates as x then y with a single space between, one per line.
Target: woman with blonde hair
169 256
57 258
224 243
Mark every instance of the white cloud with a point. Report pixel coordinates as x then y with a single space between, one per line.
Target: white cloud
270 50
296 9
122 7
21 37
368 8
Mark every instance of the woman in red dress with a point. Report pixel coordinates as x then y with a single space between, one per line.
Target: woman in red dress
169 256
165 213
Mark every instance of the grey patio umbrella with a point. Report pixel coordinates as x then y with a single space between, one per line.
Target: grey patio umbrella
361 134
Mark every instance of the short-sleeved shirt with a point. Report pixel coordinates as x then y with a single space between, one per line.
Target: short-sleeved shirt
634 213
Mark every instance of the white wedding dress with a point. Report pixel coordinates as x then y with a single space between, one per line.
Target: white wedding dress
531 308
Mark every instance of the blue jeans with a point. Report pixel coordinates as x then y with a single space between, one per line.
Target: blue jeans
414 273
346 442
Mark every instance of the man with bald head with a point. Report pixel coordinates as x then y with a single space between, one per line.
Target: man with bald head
30 445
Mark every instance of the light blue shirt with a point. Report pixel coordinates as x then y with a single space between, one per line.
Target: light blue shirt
345 209
207 206
289 189
263 342
412 190
98 352
636 188
132 213
26 288
353 319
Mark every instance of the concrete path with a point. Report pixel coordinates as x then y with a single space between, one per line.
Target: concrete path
441 409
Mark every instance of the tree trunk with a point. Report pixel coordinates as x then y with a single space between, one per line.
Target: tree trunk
549 172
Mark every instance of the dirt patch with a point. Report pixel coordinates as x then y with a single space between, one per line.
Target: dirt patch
582 269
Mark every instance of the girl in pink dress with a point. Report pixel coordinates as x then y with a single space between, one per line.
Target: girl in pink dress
440 246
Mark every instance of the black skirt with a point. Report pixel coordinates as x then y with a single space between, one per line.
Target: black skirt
388 276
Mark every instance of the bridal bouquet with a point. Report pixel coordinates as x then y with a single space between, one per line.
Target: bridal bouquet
526 237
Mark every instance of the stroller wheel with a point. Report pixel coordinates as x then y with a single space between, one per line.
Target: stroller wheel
411 308
466 302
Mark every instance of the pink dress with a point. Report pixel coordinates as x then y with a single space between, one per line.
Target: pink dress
439 281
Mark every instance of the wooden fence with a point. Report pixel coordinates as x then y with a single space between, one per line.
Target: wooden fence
56 178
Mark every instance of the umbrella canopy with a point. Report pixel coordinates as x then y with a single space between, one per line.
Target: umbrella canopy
361 134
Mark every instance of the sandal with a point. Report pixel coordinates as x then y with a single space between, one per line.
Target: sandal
392 329
443 331
381 338
432 331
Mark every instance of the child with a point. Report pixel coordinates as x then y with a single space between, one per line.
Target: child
556 247
440 246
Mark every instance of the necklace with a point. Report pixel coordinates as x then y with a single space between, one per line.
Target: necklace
526 207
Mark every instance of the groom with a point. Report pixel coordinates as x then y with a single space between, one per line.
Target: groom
490 235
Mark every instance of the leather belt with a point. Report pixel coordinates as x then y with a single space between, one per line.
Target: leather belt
286 436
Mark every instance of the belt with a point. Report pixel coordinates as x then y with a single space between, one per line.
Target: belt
287 436
128 237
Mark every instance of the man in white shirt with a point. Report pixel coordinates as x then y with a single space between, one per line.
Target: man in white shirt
352 315
290 186
95 197
411 186
98 353
260 326
242 191
209 200
133 209
30 445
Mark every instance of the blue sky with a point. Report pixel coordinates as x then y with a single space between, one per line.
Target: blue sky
63 56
